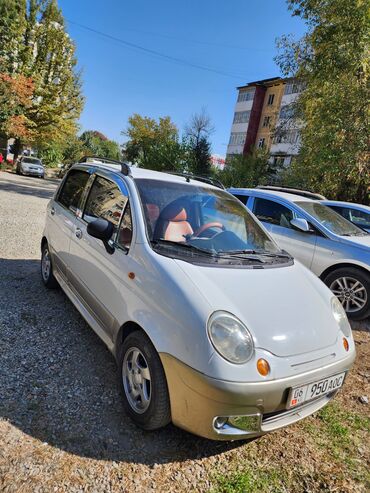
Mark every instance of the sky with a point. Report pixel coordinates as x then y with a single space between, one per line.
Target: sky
233 41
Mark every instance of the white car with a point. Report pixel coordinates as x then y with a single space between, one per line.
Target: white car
213 327
333 248
30 166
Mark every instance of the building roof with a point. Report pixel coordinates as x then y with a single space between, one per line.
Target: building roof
265 82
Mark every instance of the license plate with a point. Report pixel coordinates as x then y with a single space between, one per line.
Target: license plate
299 395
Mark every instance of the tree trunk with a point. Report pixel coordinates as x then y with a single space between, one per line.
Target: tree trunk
17 149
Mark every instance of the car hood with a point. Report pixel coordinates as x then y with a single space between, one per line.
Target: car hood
287 309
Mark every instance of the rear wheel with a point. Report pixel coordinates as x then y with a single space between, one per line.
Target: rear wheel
352 288
47 269
143 382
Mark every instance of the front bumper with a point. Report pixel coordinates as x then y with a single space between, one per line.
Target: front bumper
32 172
255 408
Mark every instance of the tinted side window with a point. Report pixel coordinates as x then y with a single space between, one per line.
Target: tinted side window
360 218
73 187
242 198
105 201
340 210
272 212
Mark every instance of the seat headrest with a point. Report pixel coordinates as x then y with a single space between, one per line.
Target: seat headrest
174 212
153 212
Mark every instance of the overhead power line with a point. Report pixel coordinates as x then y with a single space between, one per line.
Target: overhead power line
156 53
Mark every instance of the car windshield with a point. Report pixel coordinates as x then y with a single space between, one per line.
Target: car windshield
330 219
202 219
31 160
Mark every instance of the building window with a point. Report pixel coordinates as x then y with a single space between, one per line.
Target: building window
293 87
287 137
270 100
286 112
241 116
279 160
246 95
237 138
261 143
266 121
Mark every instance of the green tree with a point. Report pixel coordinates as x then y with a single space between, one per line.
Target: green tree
34 44
248 170
197 134
153 144
16 93
96 144
332 59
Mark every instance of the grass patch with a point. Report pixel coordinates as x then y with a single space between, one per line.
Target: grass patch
251 482
335 438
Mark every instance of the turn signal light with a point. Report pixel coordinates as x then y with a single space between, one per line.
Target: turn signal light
345 344
263 367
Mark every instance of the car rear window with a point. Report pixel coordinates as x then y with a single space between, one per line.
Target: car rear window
70 194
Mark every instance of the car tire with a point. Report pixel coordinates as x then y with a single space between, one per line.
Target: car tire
352 287
46 266
143 382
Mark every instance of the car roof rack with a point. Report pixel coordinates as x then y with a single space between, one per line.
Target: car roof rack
125 167
204 179
295 191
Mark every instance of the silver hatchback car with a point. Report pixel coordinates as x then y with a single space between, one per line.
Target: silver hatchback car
213 327
333 248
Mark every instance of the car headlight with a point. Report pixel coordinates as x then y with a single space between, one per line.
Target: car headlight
230 337
340 316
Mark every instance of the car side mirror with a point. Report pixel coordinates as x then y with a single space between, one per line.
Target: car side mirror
102 230
300 224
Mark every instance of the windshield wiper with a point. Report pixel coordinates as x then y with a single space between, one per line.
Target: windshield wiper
258 252
187 246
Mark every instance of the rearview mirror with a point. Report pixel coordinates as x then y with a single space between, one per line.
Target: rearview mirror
300 224
102 230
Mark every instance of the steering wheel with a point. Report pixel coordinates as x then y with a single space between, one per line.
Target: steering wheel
207 226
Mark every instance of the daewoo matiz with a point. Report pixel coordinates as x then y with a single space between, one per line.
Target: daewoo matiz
213 326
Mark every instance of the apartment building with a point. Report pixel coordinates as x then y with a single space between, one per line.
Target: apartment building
263 119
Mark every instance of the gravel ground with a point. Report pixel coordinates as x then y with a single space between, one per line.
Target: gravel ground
62 425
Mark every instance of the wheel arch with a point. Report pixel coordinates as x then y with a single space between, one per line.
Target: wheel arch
125 330
342 265
43 242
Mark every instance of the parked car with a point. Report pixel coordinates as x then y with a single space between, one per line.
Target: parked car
333 248
31 166
358 214
213 327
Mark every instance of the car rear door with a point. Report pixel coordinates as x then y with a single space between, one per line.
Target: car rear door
61 216
97 277
276 218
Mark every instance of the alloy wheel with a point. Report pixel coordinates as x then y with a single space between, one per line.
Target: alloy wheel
350 292
45 265
136 380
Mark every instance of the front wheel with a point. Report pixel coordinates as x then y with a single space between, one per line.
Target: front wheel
47 269
352 288
143 382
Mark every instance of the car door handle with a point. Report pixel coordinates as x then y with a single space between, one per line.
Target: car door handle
78 233
52 211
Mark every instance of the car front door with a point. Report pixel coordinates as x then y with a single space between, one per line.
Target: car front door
100 278
61 216
276 218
